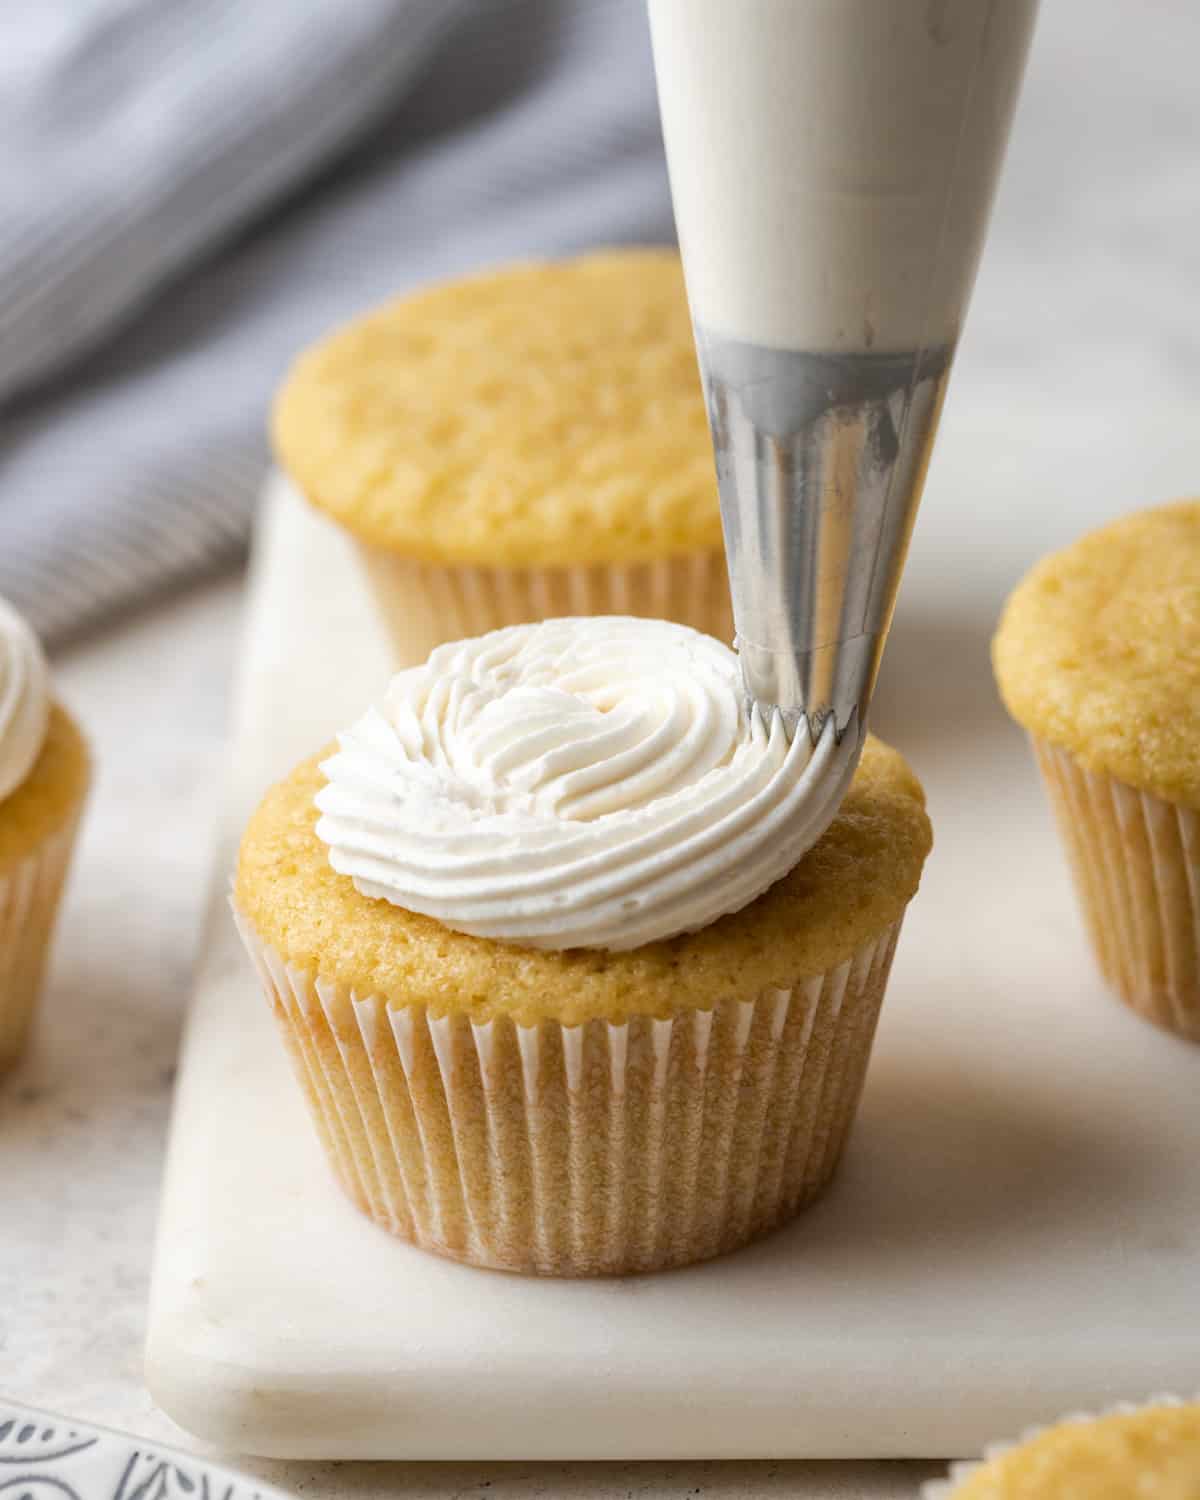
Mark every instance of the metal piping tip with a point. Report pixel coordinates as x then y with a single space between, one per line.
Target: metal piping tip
821 459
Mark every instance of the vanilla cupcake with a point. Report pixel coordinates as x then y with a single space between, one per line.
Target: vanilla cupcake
1149 1452
565 987
44 774
1098 657
526 443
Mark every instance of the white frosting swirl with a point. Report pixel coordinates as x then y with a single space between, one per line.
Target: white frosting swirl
591 783
24 699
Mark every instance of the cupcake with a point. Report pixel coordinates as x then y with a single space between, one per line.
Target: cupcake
1151 1452
564 986
1098 657
522 444
44 774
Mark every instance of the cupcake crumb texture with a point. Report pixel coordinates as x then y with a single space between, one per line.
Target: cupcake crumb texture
50 795
1098 651
1149 1454
543 414
855 882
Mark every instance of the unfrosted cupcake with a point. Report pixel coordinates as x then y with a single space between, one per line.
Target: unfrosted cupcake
1149 1452
1098 657
563 989
526 443
44 774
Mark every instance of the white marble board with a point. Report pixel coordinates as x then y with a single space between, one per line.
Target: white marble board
1015 1232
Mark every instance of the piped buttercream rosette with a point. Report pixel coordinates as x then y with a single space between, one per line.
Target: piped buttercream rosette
595 782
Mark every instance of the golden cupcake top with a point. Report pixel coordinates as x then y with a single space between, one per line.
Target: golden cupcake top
44 764
51 792
1098 651
1149 1454
851 886
24 699
540 414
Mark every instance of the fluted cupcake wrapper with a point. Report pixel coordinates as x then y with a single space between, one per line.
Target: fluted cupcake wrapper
962 1471
30 891
600 1148
1136 863
426 604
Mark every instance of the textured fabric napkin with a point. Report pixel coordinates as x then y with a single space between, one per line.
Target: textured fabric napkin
191 190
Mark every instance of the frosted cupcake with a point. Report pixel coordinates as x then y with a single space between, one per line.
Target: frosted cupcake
44 774
562 987
1150 1452
522 444
1098 657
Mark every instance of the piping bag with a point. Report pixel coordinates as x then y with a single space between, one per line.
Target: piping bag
832 165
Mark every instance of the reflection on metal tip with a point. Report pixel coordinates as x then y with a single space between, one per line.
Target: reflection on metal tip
821 459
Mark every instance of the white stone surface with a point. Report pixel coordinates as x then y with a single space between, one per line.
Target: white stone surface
1074 399
1009 1204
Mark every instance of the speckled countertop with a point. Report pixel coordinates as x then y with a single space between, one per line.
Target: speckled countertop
1076 394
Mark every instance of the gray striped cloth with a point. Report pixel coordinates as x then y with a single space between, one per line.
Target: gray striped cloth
194 189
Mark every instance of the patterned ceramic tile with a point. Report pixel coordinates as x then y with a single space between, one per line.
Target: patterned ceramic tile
46 1457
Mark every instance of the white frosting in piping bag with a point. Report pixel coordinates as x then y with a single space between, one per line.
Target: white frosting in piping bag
24 699
833 162
580 783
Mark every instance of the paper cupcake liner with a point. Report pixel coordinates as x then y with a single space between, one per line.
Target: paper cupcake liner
30 890
582 1150
425 604
1136 863
959 1473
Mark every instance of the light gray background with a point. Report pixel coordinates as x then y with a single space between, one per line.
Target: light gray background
1076 396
